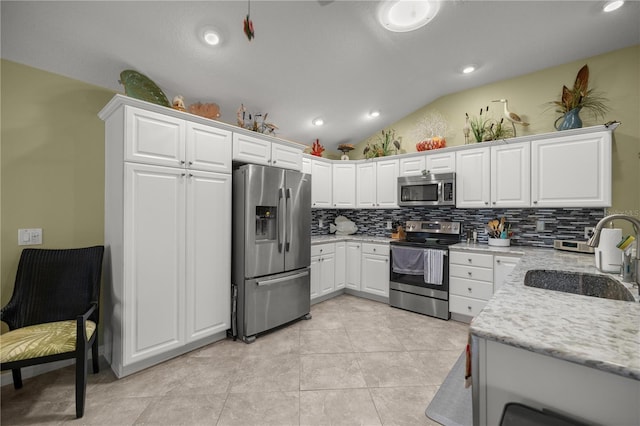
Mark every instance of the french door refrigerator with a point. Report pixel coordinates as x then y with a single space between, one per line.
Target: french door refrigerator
271 248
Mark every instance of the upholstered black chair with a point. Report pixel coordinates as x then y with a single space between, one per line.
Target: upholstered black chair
53 313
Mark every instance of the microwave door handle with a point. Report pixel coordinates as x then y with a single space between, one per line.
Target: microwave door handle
439 191
281 218
289 220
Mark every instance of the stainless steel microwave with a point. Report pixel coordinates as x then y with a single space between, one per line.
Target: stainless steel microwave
427 190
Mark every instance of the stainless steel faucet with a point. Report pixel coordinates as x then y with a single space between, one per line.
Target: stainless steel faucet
595 238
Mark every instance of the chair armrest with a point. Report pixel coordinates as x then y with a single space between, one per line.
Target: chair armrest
81 321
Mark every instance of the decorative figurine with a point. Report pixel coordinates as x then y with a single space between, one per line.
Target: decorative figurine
178 103
512 116
317 149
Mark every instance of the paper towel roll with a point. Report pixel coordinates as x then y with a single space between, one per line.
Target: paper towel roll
608 256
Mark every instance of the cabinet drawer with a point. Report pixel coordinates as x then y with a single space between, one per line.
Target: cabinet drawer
471 272
470 288
381 249
471 259
318 249
465 305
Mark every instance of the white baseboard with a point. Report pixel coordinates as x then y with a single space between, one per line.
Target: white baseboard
36 370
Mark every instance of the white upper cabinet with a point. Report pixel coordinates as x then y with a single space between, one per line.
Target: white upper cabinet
412 166
321 178
153 138
572 171
257 150
511 175
440 162
377 184
387 183
306 165
208 148
344 185
286 157
473 178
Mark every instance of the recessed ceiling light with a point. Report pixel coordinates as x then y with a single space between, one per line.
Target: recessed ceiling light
407 15
211 37
613 5
318 122
468 69
374 114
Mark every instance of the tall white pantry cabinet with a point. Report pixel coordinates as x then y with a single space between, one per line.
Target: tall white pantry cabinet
167 271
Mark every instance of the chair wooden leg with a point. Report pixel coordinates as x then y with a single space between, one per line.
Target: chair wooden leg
17 378
94 356
82 364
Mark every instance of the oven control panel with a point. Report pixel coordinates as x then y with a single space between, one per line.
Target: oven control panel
433 226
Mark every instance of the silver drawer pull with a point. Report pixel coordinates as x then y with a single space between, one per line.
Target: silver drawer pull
469 273
470 291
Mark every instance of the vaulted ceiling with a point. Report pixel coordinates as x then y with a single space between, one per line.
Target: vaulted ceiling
309 59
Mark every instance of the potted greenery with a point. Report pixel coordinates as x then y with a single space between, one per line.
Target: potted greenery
576 99
386 145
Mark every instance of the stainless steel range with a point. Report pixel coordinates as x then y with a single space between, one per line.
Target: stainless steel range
419 268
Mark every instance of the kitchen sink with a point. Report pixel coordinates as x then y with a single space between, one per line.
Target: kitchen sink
578 283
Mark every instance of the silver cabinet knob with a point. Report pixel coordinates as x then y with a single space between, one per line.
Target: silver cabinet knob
470 290
469 308
274 161
469 260
469 273
486 203
497 260
535 202
494 203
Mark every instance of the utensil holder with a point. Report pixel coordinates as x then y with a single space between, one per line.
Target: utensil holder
500 242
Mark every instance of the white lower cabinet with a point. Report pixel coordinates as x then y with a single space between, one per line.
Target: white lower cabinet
375 269
353 266
502 267
323 269
341 265
470 282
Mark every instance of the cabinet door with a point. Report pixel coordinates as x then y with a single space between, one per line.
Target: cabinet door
443 162
208 148
327 273
153 248
306 165
473 178
511 175
344 185
315 276
153 138
502 267
353 266
366 185
321 177
412 166
375 274
341 263
387 184
249 149
208 242
572 171
286 157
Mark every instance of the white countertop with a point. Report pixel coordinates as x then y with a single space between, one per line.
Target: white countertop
319 239
599 333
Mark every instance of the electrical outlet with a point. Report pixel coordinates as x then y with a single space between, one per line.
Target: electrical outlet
320 223
539 225
588 232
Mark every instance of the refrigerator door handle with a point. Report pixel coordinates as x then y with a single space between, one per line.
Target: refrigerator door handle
289 220
283 279
281 219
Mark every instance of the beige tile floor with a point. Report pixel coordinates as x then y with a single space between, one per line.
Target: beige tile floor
357 362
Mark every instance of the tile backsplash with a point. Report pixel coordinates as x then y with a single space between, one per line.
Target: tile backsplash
563 224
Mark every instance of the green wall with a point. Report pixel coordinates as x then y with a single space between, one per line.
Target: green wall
615 74
52 158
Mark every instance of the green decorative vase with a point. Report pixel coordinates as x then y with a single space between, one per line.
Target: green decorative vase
570 120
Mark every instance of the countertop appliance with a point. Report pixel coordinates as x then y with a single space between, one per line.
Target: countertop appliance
271 248
577 246
419 268
427 190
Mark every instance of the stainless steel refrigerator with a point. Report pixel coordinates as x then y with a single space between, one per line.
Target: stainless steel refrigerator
271 248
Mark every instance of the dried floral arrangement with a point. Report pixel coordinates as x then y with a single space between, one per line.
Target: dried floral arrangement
256 122
486 128
580 96
430 130
386 144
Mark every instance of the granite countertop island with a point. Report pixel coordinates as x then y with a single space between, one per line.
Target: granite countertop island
319 239
599 333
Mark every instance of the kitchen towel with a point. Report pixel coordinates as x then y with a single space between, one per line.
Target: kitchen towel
407 260
608 256
433 266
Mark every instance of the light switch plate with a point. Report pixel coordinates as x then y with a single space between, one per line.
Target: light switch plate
29 237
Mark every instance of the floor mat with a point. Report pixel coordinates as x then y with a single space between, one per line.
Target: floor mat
451 406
